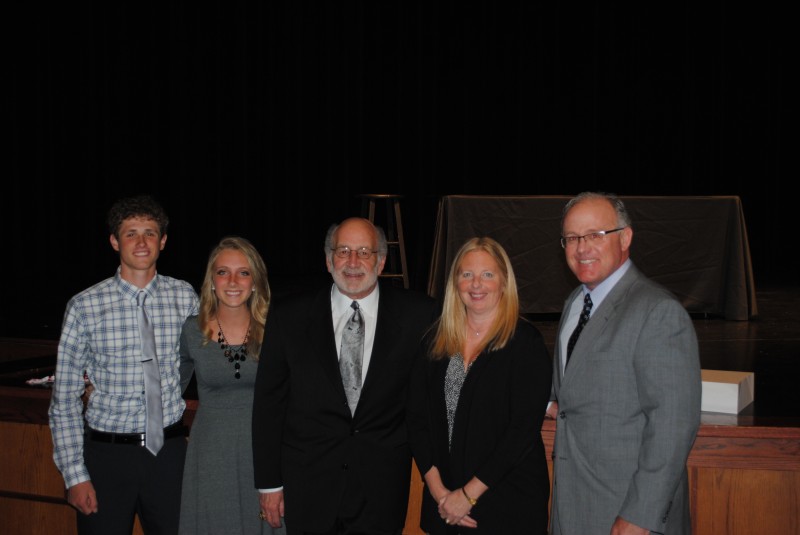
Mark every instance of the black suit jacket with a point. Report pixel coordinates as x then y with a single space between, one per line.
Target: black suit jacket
304 437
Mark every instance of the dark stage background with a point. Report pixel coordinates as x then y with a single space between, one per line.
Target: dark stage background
269 121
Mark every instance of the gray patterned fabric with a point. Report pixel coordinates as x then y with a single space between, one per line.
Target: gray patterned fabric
351 356
154 434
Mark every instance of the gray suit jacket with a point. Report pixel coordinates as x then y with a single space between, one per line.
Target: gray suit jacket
629 410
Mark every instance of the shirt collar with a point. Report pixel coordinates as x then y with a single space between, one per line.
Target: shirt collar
602 290
130 291
340 303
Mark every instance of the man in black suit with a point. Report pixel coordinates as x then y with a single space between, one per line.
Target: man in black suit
329 468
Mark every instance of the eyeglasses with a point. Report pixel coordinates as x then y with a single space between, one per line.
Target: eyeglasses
344 252
588 238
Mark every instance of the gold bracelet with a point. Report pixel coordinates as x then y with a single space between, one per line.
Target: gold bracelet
472 501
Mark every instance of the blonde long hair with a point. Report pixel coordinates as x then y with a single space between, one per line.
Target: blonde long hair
450 334
258 303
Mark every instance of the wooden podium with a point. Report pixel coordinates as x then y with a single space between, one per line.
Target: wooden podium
744 477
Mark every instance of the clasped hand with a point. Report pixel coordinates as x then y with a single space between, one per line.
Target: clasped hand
454 509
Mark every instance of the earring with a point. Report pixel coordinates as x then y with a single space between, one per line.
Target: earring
213 287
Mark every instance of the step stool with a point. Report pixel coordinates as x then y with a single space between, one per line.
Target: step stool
389 211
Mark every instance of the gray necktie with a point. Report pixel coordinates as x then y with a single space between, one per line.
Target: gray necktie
351 356
154 433
573 339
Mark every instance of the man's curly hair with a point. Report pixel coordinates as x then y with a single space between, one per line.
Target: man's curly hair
141 206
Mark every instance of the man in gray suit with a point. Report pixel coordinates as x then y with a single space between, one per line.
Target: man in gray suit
627 398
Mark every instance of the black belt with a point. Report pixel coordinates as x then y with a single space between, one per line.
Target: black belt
174 431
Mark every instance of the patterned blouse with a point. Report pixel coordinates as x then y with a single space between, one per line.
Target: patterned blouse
453 381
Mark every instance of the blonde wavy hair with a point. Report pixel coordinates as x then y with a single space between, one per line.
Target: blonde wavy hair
258 303
450 331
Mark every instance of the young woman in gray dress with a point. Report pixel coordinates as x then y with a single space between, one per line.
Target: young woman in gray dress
221 347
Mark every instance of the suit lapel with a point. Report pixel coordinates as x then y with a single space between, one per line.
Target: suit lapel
323 342
388 328
605 313
562 321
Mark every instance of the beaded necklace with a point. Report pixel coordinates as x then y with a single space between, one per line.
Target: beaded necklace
233 354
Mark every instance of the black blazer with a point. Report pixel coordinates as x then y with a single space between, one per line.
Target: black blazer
304 437
496 435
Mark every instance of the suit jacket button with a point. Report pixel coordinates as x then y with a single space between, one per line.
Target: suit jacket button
562 415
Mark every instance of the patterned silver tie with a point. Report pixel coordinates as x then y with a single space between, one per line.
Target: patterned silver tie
154 434
351 356
573 339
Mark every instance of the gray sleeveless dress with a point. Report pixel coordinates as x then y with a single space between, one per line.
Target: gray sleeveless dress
219 496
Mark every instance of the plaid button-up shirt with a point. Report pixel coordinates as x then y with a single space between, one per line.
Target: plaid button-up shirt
100 336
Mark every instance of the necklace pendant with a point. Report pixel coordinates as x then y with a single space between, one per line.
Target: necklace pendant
234 356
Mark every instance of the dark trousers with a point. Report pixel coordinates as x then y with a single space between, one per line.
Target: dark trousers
130 481
342 529
352 518
345 527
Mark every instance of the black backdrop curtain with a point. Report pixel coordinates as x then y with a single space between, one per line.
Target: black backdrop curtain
268 121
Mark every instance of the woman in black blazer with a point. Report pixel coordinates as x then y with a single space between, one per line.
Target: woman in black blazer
477 405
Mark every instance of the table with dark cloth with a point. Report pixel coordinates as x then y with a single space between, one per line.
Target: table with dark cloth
695 246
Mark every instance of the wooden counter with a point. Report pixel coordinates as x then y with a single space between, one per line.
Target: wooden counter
744 479
32 494
744 475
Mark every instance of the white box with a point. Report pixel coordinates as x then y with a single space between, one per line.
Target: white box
727 392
